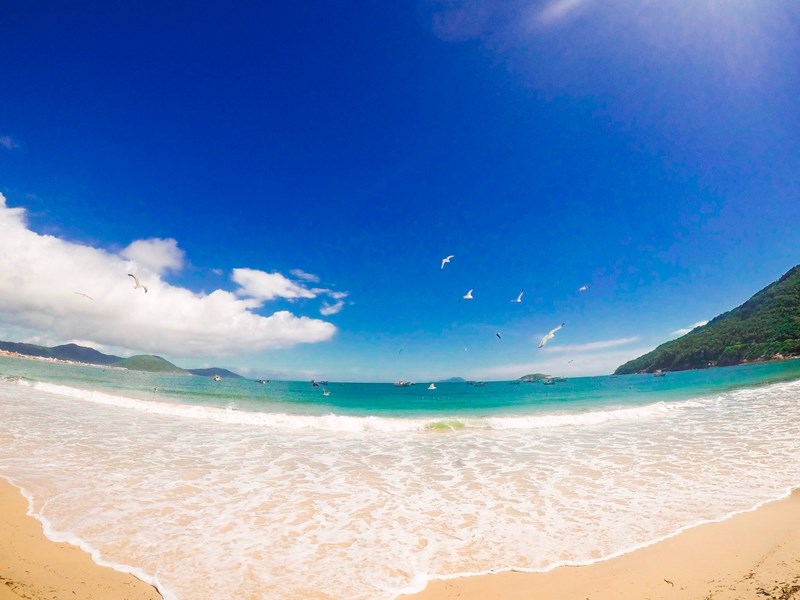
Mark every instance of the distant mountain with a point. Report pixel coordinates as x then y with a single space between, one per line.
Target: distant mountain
71 352
452 380
765 327
148 362
86 355
82 354
26 349
224 373
534 377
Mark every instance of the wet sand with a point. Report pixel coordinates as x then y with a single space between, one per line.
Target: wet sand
753 555
35 568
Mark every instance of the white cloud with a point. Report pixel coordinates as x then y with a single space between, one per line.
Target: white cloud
686 330
582 364
300 274
331 309
39 275
7 142
589 347
558 10
156 255
268 286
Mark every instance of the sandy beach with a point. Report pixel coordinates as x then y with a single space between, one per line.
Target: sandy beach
33 567
754 555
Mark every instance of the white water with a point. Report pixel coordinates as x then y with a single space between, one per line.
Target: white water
225 504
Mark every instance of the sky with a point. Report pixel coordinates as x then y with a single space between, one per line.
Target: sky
285 179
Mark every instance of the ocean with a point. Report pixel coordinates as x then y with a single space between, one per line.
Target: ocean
236 489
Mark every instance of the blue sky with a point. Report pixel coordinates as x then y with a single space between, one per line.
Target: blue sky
647 149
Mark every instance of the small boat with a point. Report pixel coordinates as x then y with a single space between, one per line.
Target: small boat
431 387
262 381
402 383
217 378
548 381
326 392
314 383
659 373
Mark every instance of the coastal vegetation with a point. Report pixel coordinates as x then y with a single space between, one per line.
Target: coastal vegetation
148 362
765 327
534 377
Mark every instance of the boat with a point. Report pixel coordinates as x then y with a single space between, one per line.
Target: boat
548 381
262 381
402 383
326 392
217 378
659 373
431 387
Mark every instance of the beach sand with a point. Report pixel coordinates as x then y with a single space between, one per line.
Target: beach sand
33 567
753 555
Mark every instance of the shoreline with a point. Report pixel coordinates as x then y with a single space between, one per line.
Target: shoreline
34 567
753 554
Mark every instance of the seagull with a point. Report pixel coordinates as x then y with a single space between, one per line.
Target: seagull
468 295
498 335
549 335
137 284
519 298
84 295
569 362
447 260
583 288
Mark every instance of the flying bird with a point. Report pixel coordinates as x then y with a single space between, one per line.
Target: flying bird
447 260
84 295
498 335
519 298
583 288
468 295
137 284
550 335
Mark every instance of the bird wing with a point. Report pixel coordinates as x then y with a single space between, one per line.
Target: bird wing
135 279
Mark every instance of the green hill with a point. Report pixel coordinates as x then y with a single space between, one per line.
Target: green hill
211 372
147 362
765 327
83 354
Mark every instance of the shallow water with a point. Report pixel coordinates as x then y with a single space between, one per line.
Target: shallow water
236 489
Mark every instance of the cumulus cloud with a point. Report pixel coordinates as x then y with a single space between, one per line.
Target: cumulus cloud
300 274
268 286
686 330
7 142
39 275
159 256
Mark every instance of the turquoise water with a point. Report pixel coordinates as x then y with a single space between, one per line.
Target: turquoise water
383 399
277 491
